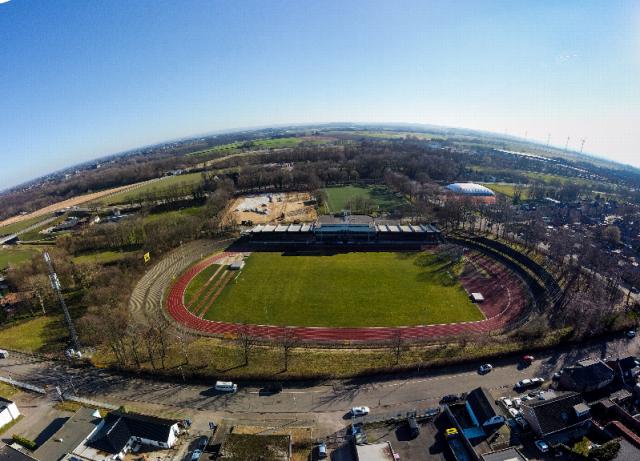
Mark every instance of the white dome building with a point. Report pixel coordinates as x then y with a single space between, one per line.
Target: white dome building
478 192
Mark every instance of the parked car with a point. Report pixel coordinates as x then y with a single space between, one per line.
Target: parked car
322 450
507 402
542 446
486 368
556 375
196 455
537 381
359 411
449 398
514 412
631 334
523 384
226 386
517 402
527 359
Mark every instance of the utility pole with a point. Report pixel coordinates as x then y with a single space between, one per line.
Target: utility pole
566 145
582 144
55 284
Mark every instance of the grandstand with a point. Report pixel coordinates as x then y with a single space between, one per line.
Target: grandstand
345 232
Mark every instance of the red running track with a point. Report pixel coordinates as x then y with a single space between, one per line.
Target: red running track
504 293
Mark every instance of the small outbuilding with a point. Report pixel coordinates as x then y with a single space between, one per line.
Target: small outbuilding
236 265
8 411
477 297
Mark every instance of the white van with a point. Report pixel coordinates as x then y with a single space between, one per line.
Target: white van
226 386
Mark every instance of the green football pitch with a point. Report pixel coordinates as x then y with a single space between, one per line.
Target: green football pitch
341 290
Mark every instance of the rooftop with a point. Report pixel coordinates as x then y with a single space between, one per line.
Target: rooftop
557 413
8 453
375 452
508 454
469 188
69 436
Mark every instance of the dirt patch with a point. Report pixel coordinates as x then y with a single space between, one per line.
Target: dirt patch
278 207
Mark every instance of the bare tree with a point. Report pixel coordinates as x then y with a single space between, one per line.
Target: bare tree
247 340
397 344
288 340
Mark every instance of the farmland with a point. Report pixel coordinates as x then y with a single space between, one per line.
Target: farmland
339 198
349 289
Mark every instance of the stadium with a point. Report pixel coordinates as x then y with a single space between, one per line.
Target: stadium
347 279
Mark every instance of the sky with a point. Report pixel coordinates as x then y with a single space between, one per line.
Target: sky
83 79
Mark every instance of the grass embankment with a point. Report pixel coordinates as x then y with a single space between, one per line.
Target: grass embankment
338 198
344 290
39 334
103 257
222 359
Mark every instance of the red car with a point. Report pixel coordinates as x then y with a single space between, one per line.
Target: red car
527 359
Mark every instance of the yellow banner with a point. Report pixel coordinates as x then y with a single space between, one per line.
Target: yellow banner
147 257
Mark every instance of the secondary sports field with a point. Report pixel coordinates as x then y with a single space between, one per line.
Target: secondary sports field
339 198
341 290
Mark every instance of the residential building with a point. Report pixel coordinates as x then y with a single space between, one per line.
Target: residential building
75 430
564 413
586 376
10 453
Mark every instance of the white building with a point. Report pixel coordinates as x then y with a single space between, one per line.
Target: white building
8 412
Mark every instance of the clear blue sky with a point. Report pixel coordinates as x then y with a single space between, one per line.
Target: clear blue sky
82 79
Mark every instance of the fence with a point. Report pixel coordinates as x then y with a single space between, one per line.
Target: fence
22 385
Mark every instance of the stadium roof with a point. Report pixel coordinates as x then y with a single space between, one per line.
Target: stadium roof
469 188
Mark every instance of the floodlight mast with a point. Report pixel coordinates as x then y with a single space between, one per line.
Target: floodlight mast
55 284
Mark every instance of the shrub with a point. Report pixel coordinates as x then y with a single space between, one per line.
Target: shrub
605 452
25 442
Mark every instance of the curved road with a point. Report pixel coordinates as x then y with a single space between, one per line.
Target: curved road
325 402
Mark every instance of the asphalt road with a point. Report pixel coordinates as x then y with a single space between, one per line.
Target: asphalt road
390 395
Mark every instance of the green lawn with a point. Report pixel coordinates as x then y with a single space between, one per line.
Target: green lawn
160 186
339 197
15 255
507 189
350 289
39 334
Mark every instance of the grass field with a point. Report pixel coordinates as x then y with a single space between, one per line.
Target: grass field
159 186
507 189
338 197
18 226
350 289
15 256
39 334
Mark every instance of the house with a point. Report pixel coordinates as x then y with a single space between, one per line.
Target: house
8 412
586 376
73 432
560 414
120 432
483 409
9 453
626 369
